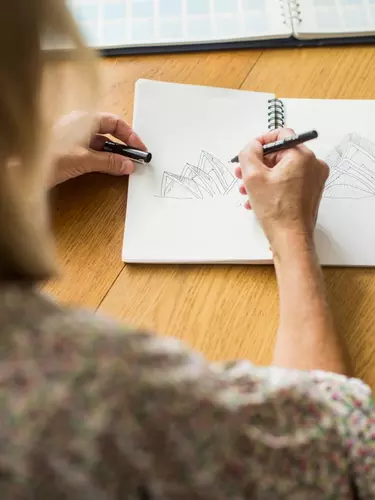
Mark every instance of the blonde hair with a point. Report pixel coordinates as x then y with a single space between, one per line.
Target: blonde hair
45 71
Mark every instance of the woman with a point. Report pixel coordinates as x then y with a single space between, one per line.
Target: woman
91 410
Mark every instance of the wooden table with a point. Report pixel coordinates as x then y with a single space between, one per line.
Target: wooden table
225 311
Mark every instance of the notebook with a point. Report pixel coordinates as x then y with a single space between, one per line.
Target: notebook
132 26
186 208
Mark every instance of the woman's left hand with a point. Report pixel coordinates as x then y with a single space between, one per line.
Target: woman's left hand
92 159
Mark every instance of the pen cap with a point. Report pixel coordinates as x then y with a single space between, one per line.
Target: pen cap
137 155
127 151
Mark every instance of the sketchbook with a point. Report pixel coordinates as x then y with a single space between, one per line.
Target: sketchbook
186 208
133 26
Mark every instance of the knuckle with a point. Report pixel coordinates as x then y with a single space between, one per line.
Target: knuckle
108 121
324 169
112 120
111 162
309 154
248 150
285 132
289 131
253 176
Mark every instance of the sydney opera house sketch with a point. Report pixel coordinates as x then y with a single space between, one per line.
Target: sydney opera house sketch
207 179
352 169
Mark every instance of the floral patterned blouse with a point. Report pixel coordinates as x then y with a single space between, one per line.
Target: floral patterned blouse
92 411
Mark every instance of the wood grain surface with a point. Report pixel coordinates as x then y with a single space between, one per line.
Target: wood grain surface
224 311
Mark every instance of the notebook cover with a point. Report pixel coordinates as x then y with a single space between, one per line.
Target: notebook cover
236 45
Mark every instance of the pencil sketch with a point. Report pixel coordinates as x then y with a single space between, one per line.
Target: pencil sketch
208 179
352 169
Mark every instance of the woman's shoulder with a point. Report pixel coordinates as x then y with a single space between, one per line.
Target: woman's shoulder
36 328
80 389
25 309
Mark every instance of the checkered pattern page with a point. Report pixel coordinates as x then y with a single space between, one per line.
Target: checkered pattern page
129 23
334 17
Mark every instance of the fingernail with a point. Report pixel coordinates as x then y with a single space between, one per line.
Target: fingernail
238 172
242 189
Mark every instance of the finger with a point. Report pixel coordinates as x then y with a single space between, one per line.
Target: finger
238 172
242 189
251 159
275 135
272 160
252 156
97 142
253 151
300 152
247 205
116 126
325 168
108 163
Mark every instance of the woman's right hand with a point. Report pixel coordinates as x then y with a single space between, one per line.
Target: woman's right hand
284 189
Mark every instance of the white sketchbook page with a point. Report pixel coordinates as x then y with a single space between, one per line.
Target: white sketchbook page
174 224
132 23
345 232
334 18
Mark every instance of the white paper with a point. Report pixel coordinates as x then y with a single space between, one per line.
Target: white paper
139 23
345 232
202 220
330 18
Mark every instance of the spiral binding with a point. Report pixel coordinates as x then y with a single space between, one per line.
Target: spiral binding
276 115
295 11
291 12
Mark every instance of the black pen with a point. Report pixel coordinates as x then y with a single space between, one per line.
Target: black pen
129 152
288 142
